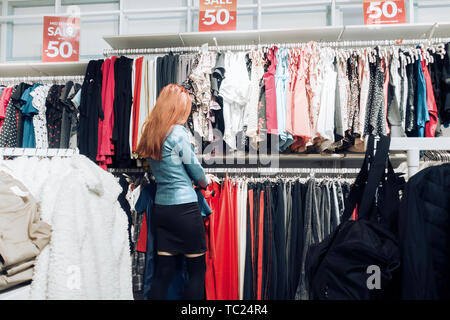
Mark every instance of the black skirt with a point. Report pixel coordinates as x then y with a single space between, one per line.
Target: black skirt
179 228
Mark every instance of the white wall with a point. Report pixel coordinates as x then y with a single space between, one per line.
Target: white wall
432 11
27 34
24 37
93 29
169 22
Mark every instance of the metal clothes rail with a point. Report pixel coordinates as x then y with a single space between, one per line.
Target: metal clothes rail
127 170
17 152
333 44
284 170
413 146
45 79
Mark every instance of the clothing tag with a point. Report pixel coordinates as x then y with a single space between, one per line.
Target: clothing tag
18 192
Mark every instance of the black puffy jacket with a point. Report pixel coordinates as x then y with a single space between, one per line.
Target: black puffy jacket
424 235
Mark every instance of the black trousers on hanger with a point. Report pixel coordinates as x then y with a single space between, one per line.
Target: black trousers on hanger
123 100
251 263
269 251
296 240
248 270
278 209
256 231
166 68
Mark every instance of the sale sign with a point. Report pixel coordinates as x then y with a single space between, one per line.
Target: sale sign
61 39
217 15
384 11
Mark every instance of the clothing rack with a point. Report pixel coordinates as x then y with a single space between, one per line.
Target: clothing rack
413 146
254 170
436 155
284 170
58 79
334 44
17 152
126 170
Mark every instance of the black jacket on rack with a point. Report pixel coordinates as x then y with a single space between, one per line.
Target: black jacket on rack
69 112
440 77
424 235
90 109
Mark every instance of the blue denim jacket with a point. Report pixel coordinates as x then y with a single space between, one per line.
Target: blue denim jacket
177 169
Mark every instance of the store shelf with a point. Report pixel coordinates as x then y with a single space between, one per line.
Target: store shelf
36 69
295 160
326 33
396 31
144 41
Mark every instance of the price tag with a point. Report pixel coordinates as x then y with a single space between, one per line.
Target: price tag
61 39
217 15
384 11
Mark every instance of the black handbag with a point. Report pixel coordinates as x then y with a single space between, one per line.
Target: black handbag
361 259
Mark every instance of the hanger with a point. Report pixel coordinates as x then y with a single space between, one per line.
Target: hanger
440 49
213 178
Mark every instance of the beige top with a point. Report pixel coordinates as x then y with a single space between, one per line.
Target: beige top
23 234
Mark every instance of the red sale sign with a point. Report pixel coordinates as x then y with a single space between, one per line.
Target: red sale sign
217 15
384 11
61 39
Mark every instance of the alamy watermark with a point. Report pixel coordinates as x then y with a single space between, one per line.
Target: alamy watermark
230 150
374 280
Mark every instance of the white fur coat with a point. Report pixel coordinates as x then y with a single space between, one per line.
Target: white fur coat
88 256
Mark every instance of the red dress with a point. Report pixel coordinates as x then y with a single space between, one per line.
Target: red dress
260 246
252 236
4 100
105 148
214 204
271 98
142 241
225 264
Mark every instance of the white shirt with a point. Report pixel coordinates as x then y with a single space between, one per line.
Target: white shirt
235 92
40 120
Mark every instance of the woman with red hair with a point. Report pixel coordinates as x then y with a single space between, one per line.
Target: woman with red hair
176 214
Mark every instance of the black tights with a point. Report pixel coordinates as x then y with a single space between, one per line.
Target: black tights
165 270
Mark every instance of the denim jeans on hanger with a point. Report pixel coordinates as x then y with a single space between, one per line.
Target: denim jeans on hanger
334 206
340 198
312 232
326 191
322 209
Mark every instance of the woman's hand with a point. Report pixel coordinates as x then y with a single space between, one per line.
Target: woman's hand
210 178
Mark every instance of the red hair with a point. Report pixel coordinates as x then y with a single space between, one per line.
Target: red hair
172 107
